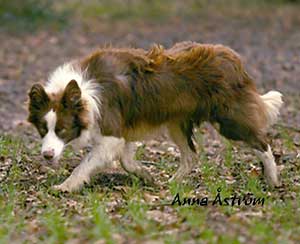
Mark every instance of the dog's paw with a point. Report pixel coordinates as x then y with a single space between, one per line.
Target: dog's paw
62 187
70 185
273 181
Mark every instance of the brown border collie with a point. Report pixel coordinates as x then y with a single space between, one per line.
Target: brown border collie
117 96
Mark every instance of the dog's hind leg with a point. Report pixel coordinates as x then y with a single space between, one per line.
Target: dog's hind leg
133 166
103 153
263 151
187 150
254 137
270 168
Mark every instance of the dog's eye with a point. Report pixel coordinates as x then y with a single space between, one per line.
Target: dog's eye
61 132
43 131
42 128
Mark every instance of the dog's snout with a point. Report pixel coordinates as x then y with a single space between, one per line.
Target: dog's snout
49 154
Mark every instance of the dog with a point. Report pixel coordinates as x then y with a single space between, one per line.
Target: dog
116 96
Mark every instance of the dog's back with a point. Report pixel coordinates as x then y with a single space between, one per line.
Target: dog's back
188 83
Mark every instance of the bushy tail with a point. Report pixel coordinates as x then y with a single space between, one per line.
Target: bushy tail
273 103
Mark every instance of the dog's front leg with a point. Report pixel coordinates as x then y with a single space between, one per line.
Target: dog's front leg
102 154
133 166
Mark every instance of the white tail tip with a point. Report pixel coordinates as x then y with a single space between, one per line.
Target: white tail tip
273 102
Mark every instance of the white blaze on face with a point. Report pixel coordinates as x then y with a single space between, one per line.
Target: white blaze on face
51 142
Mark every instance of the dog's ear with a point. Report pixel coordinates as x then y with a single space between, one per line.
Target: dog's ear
38 98
72 95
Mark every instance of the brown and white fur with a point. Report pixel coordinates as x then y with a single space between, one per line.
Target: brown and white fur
117 96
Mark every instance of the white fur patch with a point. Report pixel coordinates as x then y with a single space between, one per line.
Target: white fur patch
51 142
269 166
60 78
110 148
273 102
102 155
84 140
88 137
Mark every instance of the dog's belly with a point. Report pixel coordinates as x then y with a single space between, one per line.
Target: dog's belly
144 131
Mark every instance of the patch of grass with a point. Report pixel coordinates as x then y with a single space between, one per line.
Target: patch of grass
10 146
140 152
156 10
287 139
228 154
103 227
10 223
183 189
136 212
29 210
259 228
151 10
55 225
30 14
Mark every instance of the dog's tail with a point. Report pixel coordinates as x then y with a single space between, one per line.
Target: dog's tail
273 102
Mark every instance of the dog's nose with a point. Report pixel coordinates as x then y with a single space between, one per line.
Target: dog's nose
49 154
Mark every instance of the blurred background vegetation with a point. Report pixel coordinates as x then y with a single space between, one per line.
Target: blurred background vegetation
31 14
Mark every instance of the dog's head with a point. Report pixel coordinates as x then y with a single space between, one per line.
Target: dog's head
59 118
